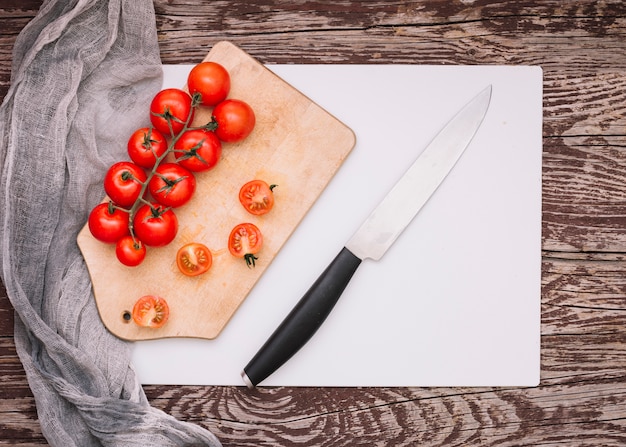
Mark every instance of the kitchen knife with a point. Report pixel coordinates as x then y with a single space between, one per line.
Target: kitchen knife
371 240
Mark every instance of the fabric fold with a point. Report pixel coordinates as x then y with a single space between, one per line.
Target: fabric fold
82 78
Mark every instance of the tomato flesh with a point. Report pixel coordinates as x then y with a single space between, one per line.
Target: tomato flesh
257 197
172 185
107 223
211 80
123 182
198 150
244 241
171 106
155 225
130 252
151 311
194 259
145 145
235 120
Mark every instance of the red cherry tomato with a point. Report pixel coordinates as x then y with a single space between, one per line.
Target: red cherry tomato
151 311
155 225
198 150
257 197
193 259
145 145
123 182
171 106
211 80
245 241
235 120
130 252
172 185
107 223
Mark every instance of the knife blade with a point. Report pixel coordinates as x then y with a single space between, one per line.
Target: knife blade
374 237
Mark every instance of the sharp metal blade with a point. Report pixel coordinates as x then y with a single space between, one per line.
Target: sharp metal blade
416 186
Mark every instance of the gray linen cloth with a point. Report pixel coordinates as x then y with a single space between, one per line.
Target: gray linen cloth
83 75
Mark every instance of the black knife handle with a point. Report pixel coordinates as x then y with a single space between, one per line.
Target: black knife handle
304 320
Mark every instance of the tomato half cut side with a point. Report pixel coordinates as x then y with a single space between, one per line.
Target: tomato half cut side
244 241
257 197
151 311
194 259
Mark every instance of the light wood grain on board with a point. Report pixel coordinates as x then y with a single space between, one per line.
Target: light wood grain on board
296 145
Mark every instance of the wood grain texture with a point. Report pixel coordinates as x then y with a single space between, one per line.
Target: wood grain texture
581 46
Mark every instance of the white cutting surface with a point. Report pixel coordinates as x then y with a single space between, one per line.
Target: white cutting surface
456 300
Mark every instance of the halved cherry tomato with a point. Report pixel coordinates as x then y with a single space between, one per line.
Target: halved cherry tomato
193 259
107 223
155 225
171 106
211 80
198 150
145 145
257 197
151 311
235 120
129 251
172 185
245 241
123 182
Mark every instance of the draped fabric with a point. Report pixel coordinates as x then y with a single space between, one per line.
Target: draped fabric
83 75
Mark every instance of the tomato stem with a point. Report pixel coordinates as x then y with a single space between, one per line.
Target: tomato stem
250 260
167 115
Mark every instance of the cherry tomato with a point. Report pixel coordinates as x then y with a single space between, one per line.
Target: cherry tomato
172 185
151 311
257 197
235 120
107 223
245 241
155 225
198 150
172 106
211 80
145 145
130 252
123 182
193 259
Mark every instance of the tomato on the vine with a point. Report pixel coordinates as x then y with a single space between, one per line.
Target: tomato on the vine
145 145
172 185
257 197
155 225
235 120
123 182
107 223
198 150
151 311
193 259
211 80
171 106
244 241
129 251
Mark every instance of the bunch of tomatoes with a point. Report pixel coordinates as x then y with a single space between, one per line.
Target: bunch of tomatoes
145 191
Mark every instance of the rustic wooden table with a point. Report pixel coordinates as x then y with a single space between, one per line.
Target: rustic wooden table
581 46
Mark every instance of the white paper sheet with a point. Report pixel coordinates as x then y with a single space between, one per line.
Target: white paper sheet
456 300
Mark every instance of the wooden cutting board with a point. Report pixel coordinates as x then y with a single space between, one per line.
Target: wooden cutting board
296 145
